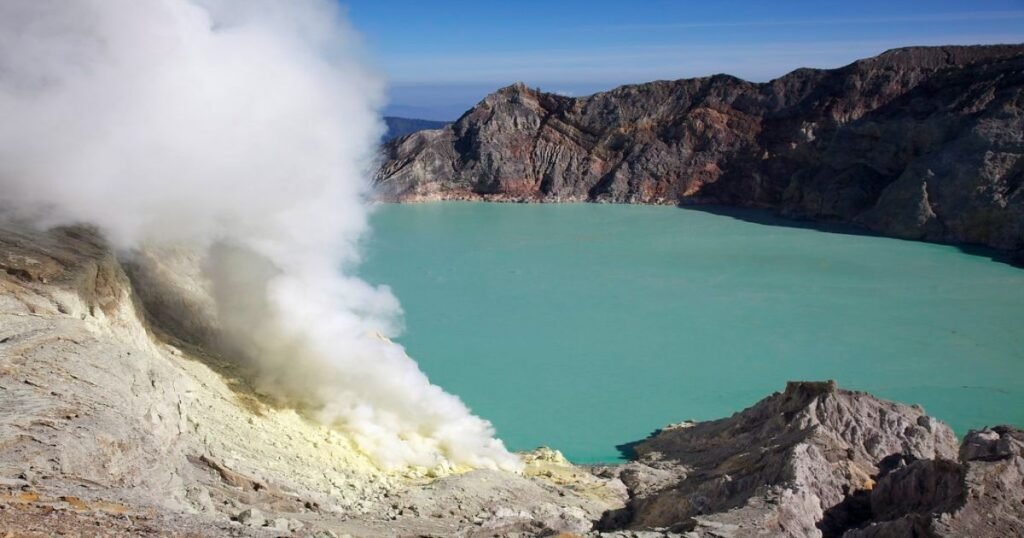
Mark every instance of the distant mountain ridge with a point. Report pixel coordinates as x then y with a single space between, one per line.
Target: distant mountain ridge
399 127
921 142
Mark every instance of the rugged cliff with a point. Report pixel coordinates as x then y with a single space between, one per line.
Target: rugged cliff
921 143
816 460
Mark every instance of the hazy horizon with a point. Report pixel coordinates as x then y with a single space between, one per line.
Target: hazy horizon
442 59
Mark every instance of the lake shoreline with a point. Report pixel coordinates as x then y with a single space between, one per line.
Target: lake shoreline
759 214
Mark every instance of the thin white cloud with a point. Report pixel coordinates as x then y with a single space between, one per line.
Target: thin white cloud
618 65
928 17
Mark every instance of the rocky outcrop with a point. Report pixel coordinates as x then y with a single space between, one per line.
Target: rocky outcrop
921 143
818 461
982 495
785 464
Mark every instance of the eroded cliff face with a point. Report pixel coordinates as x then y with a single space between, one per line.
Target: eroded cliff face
921 143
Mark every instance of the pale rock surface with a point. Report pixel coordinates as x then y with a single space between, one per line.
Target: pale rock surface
783 464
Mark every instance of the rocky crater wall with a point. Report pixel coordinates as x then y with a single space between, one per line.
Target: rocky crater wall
920 143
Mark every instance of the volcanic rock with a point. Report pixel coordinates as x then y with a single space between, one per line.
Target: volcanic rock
981 496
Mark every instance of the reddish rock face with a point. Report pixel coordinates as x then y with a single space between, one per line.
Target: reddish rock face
922 143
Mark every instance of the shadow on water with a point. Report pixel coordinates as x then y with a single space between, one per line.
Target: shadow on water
627 451
769 217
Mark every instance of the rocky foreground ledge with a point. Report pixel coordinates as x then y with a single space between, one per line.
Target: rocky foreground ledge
819 461
111 426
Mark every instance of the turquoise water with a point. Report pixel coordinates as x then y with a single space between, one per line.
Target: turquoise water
585 326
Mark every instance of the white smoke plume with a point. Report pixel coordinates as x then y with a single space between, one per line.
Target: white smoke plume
248 123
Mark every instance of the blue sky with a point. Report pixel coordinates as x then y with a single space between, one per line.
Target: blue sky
441 57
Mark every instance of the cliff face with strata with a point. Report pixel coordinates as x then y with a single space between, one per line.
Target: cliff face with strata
921 143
